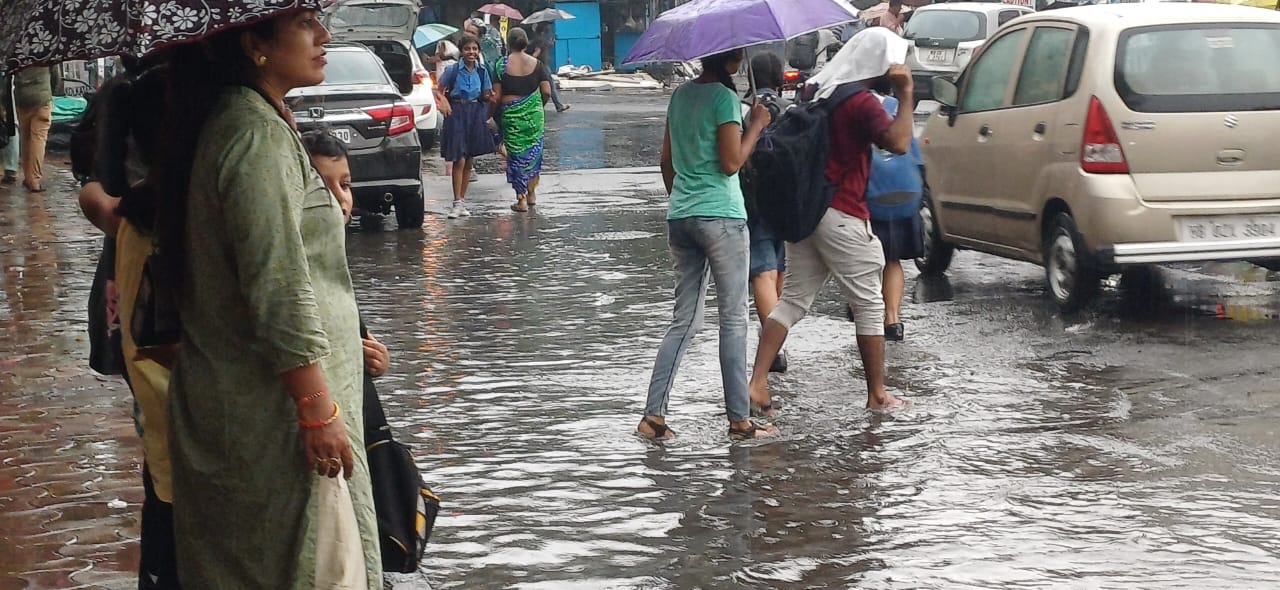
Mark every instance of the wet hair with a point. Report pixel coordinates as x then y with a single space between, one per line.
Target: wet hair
517 39
716 65
201 72
766 71
465 41
321 143
130 125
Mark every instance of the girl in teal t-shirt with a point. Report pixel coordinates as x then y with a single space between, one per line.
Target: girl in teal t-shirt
707 231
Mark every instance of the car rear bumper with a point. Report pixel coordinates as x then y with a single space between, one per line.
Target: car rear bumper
1164 252
392 168
1121 228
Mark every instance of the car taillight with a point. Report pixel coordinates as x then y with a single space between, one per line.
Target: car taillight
1101 152
426 110
420 76
790 76
399 116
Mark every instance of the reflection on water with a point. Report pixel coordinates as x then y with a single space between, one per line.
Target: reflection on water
1026 462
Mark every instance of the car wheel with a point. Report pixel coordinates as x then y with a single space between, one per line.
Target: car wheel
1072 279
427 137
937 253
410 211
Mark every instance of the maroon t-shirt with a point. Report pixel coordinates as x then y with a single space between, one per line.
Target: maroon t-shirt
855 125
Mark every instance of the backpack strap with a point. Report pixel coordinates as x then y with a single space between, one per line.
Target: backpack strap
448 78
842 93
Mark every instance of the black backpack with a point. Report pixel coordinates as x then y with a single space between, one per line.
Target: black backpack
405 506
791 191
747 176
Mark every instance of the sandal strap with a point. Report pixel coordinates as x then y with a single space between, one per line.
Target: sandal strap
659 429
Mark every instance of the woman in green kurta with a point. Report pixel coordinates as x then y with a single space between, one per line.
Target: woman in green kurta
271 345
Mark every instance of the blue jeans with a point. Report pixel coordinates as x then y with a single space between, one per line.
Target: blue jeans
701 248
555 92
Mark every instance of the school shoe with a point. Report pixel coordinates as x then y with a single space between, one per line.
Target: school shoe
458 210
10 178
563 108
779 363
894 332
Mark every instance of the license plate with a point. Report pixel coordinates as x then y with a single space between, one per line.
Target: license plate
938 56
1228 227
342 134
789 94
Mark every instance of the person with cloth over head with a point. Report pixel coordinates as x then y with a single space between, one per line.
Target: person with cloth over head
843 245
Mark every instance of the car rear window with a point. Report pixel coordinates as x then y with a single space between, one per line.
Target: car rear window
1199 68
952 25
369 15
353 67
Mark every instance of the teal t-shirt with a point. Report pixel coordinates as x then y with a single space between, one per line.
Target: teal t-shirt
701 189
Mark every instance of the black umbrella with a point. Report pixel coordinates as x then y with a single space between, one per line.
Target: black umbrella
36 32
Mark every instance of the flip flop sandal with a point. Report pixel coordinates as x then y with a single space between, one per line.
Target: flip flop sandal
745 433
521 206
661 431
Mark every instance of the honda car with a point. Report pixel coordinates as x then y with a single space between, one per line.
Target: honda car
359 104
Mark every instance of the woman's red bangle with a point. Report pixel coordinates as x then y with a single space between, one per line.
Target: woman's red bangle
337 412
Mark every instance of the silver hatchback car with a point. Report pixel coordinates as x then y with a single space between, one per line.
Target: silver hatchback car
1088 139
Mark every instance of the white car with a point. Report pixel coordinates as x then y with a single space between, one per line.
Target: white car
944 37
386 27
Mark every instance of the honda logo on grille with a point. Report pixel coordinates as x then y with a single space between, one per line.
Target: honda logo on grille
316 112
1231 121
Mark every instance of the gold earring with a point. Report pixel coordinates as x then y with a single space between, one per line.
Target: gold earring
262 60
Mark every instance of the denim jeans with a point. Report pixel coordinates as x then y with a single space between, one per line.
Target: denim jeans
555 92
701 248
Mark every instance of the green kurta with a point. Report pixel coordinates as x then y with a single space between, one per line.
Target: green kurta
267 290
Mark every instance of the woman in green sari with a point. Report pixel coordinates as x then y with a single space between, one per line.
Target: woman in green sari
523 87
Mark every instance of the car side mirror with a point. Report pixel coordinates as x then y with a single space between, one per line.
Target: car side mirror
947 94
945 91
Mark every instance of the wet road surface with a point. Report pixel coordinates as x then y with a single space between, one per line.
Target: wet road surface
1130 446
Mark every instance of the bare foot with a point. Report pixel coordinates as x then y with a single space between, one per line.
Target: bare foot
761 401
748 430
655 428
887 402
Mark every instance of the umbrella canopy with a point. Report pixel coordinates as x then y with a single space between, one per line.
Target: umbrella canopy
547 15
501 10
707 27
431 33
35 32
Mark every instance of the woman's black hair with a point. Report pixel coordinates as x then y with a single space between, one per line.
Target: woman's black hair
766 71
133 110
465 41
320 142
715 64
199 75
517 39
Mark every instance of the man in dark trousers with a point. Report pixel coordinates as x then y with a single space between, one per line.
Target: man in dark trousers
8 132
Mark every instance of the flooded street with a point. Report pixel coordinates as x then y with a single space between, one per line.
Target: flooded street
1132 446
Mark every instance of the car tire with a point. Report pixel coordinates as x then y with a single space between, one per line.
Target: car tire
1072 279
937 253
410 211
427 137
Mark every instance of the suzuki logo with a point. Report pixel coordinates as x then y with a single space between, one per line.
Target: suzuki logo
1231 121
316 112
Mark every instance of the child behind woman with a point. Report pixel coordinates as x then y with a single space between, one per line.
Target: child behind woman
465 94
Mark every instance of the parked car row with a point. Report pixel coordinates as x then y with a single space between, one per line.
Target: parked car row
1092 139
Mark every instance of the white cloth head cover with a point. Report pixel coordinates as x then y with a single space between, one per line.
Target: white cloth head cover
866 56
450 50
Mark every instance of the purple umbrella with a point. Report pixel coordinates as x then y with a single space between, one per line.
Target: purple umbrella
707 27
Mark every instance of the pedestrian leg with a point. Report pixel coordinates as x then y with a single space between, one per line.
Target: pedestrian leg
857 262
555 94
894 285
692 274
34 123
727 245
806 273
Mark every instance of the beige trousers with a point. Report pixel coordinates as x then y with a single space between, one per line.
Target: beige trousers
845 247
33 134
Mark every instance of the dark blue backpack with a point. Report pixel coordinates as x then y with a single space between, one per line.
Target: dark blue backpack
789 167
